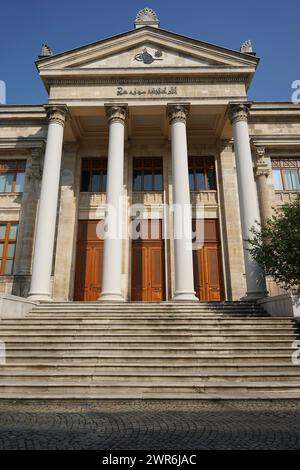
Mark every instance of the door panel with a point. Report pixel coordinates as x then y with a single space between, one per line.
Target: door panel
208 265
148 270
88 275
139 278
156 277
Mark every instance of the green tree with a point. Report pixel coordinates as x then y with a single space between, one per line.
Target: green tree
276 247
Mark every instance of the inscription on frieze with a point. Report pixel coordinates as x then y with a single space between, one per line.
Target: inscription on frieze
149 91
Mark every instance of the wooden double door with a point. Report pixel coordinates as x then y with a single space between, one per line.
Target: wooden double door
148 263
88 273
208 277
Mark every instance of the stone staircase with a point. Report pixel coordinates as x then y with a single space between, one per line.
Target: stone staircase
149 350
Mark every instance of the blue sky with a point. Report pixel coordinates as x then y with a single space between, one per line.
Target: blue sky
64 24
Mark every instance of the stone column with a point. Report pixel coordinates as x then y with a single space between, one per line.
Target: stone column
46 218
249 210
265 190
64 266
112 256
27 223
184 273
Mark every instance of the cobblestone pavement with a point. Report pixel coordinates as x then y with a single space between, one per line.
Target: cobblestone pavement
149 425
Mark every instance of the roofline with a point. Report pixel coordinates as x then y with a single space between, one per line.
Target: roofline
252 58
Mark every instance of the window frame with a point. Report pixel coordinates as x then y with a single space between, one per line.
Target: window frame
206 163
282 165
91 167
143 168
13 167
6 241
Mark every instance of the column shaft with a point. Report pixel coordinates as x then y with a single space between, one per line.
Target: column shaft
184 273
47 211
249 210
112 256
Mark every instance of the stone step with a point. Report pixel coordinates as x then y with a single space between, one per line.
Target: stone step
115 343
149 368
108 389
158 351
113 310
157 322
178 336
152 328
178 359
197 379
271 394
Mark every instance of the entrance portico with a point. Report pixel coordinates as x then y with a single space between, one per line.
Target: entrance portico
172 105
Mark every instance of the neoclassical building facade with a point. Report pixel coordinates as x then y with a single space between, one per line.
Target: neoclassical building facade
137 125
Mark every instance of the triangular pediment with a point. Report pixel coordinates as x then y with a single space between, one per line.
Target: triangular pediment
148 54
148 48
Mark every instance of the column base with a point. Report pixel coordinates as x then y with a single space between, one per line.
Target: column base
111 297
185 297
253 296
41 297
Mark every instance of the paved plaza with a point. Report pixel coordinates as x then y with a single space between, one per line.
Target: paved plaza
149 425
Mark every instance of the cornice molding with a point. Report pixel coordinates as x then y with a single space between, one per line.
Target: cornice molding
144 81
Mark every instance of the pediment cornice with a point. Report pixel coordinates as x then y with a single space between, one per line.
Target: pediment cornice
213 55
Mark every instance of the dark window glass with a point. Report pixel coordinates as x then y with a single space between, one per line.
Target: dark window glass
93 175
202 174
137 181
147 174
211 184
148 186
158 181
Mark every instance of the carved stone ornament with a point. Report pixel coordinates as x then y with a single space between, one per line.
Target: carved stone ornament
246 47
148 58
177 113
56 114
146 17
116 113
262 167
238 112
45 51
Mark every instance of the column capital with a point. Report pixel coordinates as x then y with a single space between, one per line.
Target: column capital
56 113
178 112
238 112
116 113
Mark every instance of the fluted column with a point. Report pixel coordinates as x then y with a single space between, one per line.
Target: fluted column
40 288
112 256
249 211
184 273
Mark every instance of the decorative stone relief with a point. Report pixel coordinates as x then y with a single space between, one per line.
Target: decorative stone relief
246 47
262 167
146 17
148 58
